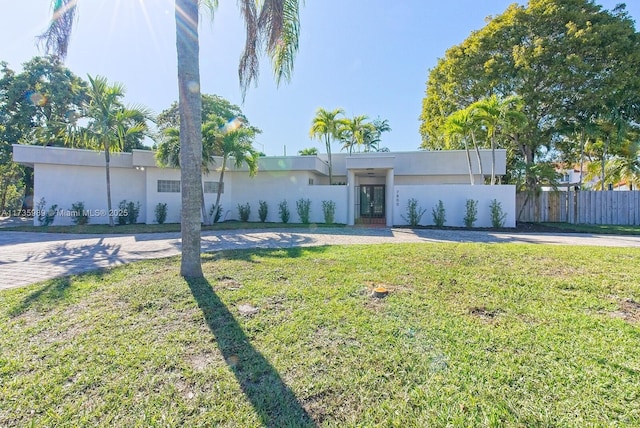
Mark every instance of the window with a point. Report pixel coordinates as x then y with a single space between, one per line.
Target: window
212 187
311 182
168 186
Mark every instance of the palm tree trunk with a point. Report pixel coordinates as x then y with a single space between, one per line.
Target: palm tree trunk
328 142
190 107
582 143
475 144
106 164
466 149
493 160
221 180
603 162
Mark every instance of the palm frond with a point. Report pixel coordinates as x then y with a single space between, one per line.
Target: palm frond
282 32
210 6
55 39
276 23
248 70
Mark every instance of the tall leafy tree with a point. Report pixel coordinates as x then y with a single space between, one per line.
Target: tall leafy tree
272 24
111 124
41 103
326 126
212 105
566 59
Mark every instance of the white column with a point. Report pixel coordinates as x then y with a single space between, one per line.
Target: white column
389 197
351 197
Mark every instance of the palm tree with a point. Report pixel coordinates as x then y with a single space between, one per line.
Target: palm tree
309 151
272 24
495 113
460 125
168 155
111 123
373 134
625 167
231 142
326 126
354 131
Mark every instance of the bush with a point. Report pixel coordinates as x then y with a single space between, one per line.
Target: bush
329 210
46 216
283 211
303 206
414 213
128 212
13 197
438 213
471 215
497 215
244 211
263 211
79 215
161 213
215 212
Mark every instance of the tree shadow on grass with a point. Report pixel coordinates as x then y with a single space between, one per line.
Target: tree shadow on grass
272 399
252 255
55 290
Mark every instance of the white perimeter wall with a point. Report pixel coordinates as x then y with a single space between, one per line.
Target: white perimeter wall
239 188
276 187
454 198
65 185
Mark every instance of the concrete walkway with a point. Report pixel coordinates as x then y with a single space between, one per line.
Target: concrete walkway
27 257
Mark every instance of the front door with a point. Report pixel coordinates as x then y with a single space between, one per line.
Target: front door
372 203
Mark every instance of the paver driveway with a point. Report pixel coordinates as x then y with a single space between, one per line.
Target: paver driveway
27 257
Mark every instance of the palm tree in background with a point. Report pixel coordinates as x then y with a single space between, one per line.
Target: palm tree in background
625 166
326 125
111 124
373 135
353 132
494 114
231 141
168 155
460 126
272 24
309 151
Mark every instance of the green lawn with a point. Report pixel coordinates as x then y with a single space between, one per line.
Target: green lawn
470 335
605 229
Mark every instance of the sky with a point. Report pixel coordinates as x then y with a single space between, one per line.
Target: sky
367 57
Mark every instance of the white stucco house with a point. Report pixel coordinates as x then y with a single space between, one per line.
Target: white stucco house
372 187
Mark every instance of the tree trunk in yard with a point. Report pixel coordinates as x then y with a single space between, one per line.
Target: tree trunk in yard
190 107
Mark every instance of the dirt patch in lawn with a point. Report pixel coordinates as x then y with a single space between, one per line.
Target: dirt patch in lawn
629 310
484 313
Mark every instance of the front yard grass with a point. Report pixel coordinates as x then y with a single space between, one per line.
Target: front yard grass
469 335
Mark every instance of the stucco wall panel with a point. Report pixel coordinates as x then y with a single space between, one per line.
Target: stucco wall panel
64 185
454 199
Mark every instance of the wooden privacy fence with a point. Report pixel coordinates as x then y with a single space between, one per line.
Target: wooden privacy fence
581 207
